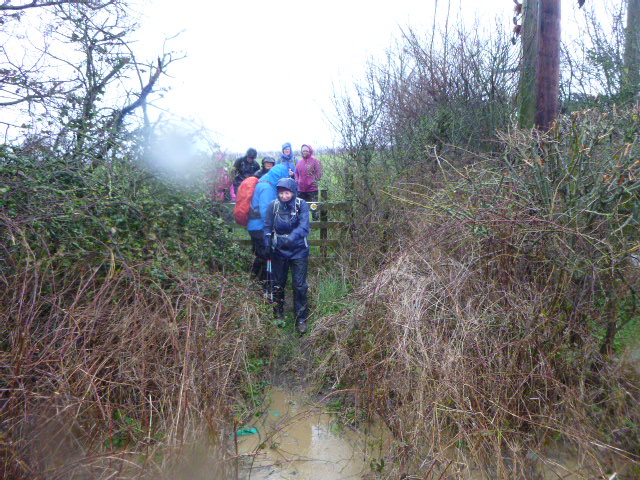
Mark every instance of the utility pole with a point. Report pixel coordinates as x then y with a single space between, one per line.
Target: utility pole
539 86
548 65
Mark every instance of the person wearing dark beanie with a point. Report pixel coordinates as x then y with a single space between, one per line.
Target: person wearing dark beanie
245 167
267 164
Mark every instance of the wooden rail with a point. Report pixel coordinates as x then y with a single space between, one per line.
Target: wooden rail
324 225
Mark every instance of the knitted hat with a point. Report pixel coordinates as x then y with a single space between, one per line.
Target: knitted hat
268 160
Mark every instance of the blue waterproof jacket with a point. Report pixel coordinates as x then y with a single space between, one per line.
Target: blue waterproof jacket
290 160
286 225
263 195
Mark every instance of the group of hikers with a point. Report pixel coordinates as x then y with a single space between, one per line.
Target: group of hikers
278 221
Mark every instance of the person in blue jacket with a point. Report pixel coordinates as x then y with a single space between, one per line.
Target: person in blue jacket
288 158
286 228
263 195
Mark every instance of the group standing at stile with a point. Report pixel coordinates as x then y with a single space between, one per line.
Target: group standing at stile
278 221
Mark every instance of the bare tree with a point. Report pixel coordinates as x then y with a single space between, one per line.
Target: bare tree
9 6
358 123
106 59
601 65
594 65
22 79
427 95
78 85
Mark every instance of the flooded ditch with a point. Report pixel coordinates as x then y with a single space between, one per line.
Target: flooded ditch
297 438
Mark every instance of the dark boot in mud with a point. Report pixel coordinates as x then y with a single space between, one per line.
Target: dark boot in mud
278 307
301 326
278 313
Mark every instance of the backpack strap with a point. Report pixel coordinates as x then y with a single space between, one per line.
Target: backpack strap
296 209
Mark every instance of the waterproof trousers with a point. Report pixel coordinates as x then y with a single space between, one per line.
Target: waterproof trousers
310 197
259 266
298 267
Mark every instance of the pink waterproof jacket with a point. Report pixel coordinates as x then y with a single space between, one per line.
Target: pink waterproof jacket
308 172
220 184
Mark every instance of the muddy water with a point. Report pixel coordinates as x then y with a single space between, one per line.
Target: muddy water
299 439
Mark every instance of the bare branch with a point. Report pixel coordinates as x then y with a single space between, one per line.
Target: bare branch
52 3
142 97
28 98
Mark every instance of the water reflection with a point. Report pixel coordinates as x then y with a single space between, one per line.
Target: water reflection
298 439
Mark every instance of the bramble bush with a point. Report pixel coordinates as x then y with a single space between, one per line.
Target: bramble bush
75 211
125 320
491 328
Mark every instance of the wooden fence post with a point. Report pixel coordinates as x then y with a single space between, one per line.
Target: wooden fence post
324 195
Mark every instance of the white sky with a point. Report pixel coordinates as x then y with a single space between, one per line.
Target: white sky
260 73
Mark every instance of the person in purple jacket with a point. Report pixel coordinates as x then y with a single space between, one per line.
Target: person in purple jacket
308 173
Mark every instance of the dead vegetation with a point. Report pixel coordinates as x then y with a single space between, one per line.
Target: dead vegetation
465 359
489 338
109 372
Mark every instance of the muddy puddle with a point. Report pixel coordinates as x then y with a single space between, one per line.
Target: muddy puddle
296 438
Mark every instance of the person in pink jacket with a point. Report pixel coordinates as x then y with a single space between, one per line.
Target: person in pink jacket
308 173
221 185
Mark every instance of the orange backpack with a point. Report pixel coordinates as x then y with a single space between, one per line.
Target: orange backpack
244 195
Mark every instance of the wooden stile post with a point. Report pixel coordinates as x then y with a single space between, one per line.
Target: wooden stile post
324 195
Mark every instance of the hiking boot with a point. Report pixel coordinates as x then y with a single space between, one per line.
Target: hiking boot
301 326
268 296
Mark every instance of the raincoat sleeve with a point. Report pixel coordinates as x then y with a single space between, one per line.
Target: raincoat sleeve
268 220
302 230
264 202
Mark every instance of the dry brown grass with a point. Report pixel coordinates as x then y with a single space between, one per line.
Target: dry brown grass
105 373
481 351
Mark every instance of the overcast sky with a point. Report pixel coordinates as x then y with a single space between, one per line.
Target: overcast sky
261 73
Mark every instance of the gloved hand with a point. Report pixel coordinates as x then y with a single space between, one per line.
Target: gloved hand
283 242
267 242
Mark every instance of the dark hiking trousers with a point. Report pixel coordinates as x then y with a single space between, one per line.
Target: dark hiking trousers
310 197
259 267
298 268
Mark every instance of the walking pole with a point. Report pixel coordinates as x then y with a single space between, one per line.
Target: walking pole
269 280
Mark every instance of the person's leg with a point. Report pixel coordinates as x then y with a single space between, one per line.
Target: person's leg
235 186
311 197
280 270
299 269
259 266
